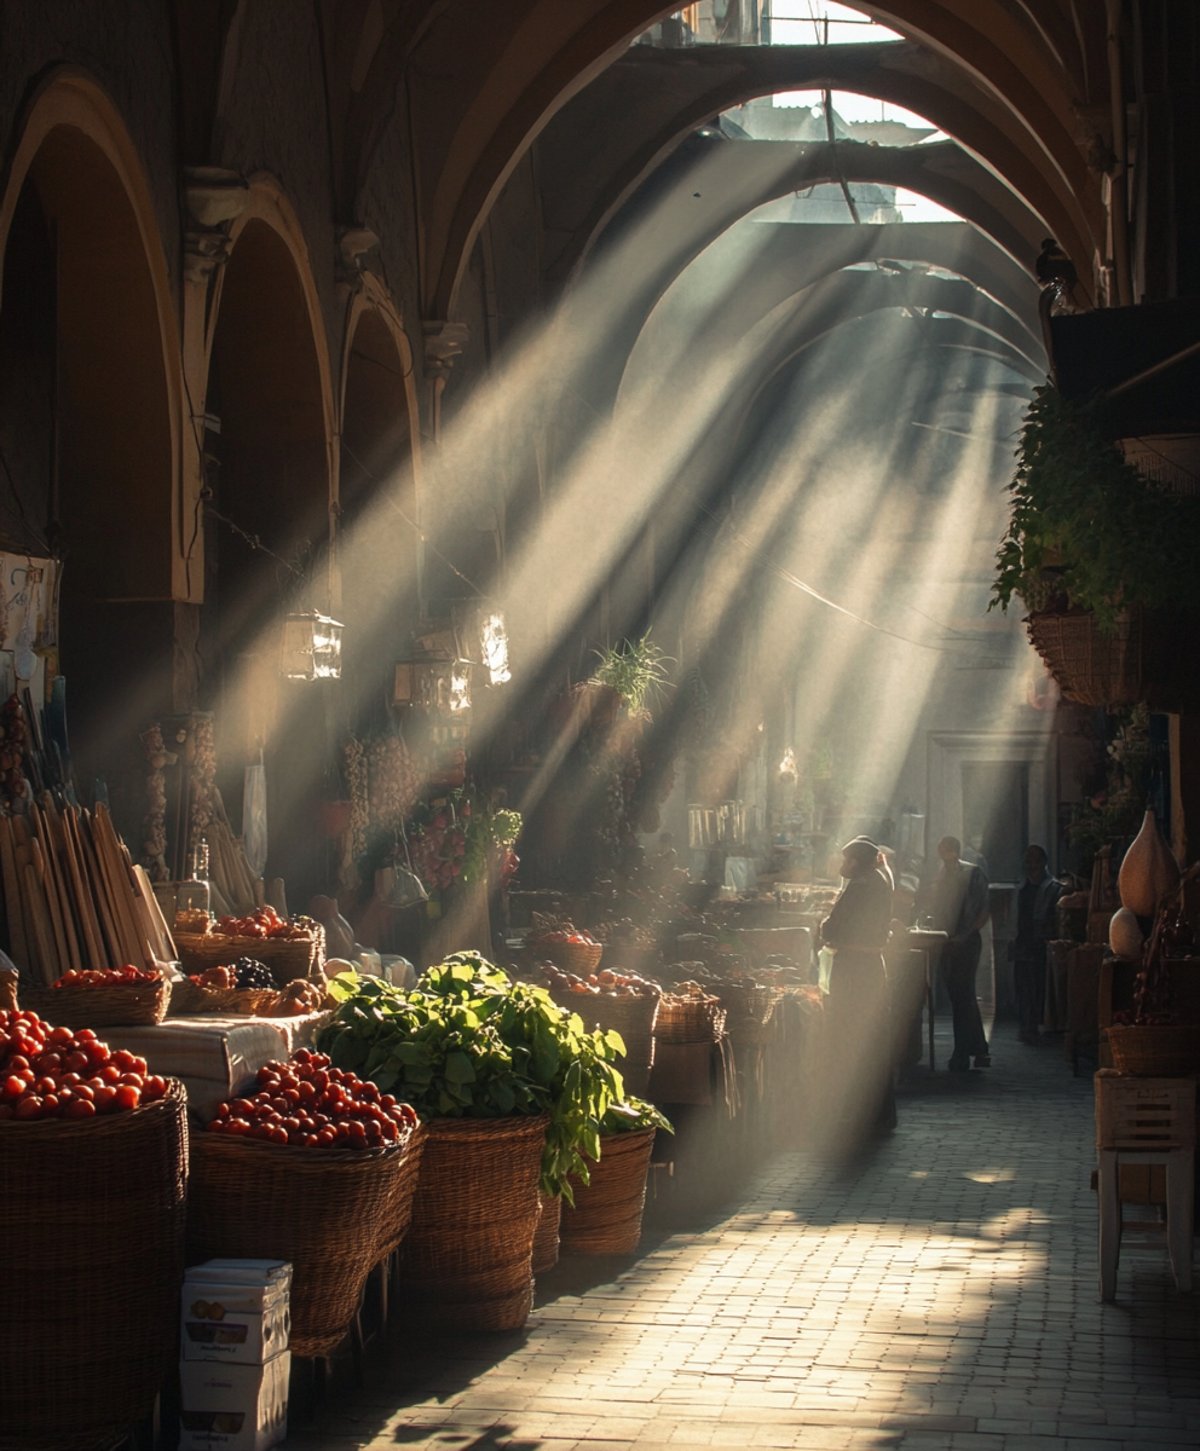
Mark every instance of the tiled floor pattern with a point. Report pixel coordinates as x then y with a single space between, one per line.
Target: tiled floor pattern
940 1293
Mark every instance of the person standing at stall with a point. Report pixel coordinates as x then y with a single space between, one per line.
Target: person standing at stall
857 1038
1037 898
960 909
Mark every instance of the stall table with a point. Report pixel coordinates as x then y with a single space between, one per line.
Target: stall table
925 945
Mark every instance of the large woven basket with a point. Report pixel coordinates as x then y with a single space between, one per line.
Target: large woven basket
92 1217
334 1213
689 1019
1092 667
121 1005
1167 1051
466 1262
749 1008
633 1015
607 1217
545 1238
581 958
287 957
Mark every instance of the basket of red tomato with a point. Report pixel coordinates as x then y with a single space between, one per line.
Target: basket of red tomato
290 946
105 997
93 1175
315 1166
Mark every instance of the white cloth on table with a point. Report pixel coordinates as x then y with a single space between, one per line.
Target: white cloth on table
216 1057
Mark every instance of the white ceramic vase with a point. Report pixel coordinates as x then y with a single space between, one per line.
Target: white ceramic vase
1148 871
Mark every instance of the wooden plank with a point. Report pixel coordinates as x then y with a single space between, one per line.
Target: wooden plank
89 925
110 937
54 844
50 897
163 936
18 938
43 942
133 949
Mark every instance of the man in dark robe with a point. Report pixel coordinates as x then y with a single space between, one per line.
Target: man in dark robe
1037 899
858 1037
960 909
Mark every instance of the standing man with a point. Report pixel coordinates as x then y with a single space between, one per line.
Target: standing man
960 909
1037 898
857 1012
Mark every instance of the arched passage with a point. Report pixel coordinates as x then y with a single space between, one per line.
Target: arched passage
379 523
91 413
267 530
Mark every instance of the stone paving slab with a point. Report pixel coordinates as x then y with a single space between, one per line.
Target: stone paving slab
938 1292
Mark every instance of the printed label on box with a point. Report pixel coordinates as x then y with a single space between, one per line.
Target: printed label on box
234 1407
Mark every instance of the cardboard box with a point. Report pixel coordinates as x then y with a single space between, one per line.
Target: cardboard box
241 1272
235 1310
234 1407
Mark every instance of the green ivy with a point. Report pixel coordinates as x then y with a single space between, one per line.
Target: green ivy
1086 527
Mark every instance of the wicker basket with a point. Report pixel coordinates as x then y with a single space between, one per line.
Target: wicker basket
607 1217
545 1239
93 1210
749 1008
334 1213
287 957
633 1015
1167 1051
121 1005
1091 666
188 999
689 1020
466 1263
581 958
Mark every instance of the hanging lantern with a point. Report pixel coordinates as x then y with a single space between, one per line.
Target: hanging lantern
493 645
438 683
312 647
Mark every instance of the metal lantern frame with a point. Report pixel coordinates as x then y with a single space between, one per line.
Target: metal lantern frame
311 648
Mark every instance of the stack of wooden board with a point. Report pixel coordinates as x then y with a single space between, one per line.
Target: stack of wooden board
72 896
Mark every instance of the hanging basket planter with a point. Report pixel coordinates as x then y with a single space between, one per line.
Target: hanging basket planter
1142 659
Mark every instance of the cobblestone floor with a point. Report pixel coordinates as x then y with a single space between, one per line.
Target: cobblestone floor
939 1293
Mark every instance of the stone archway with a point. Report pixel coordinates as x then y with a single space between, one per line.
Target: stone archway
379 527
271 484
96 423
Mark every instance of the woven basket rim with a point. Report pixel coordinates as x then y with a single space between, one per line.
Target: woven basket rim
517 1125
88 1129
214 1141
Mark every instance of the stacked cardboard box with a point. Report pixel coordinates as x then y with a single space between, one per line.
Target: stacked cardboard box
235 1362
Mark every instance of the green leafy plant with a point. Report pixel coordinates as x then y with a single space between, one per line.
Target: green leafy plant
468 1042
1086 528
633 1114
488 832
636 669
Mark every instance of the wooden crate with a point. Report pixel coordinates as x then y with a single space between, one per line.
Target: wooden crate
1144 1113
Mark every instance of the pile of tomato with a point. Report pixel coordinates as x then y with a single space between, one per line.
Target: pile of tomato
61 1072
309 1103
106 976
263 922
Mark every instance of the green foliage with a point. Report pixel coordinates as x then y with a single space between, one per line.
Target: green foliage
1086 526
487 832
468 1042
636 669
631 1115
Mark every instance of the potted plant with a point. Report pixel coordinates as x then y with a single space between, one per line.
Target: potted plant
1102 556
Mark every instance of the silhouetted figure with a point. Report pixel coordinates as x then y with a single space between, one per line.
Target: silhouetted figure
858 1054
960 909
1037 899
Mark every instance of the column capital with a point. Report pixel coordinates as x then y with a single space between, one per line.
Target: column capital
444 341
